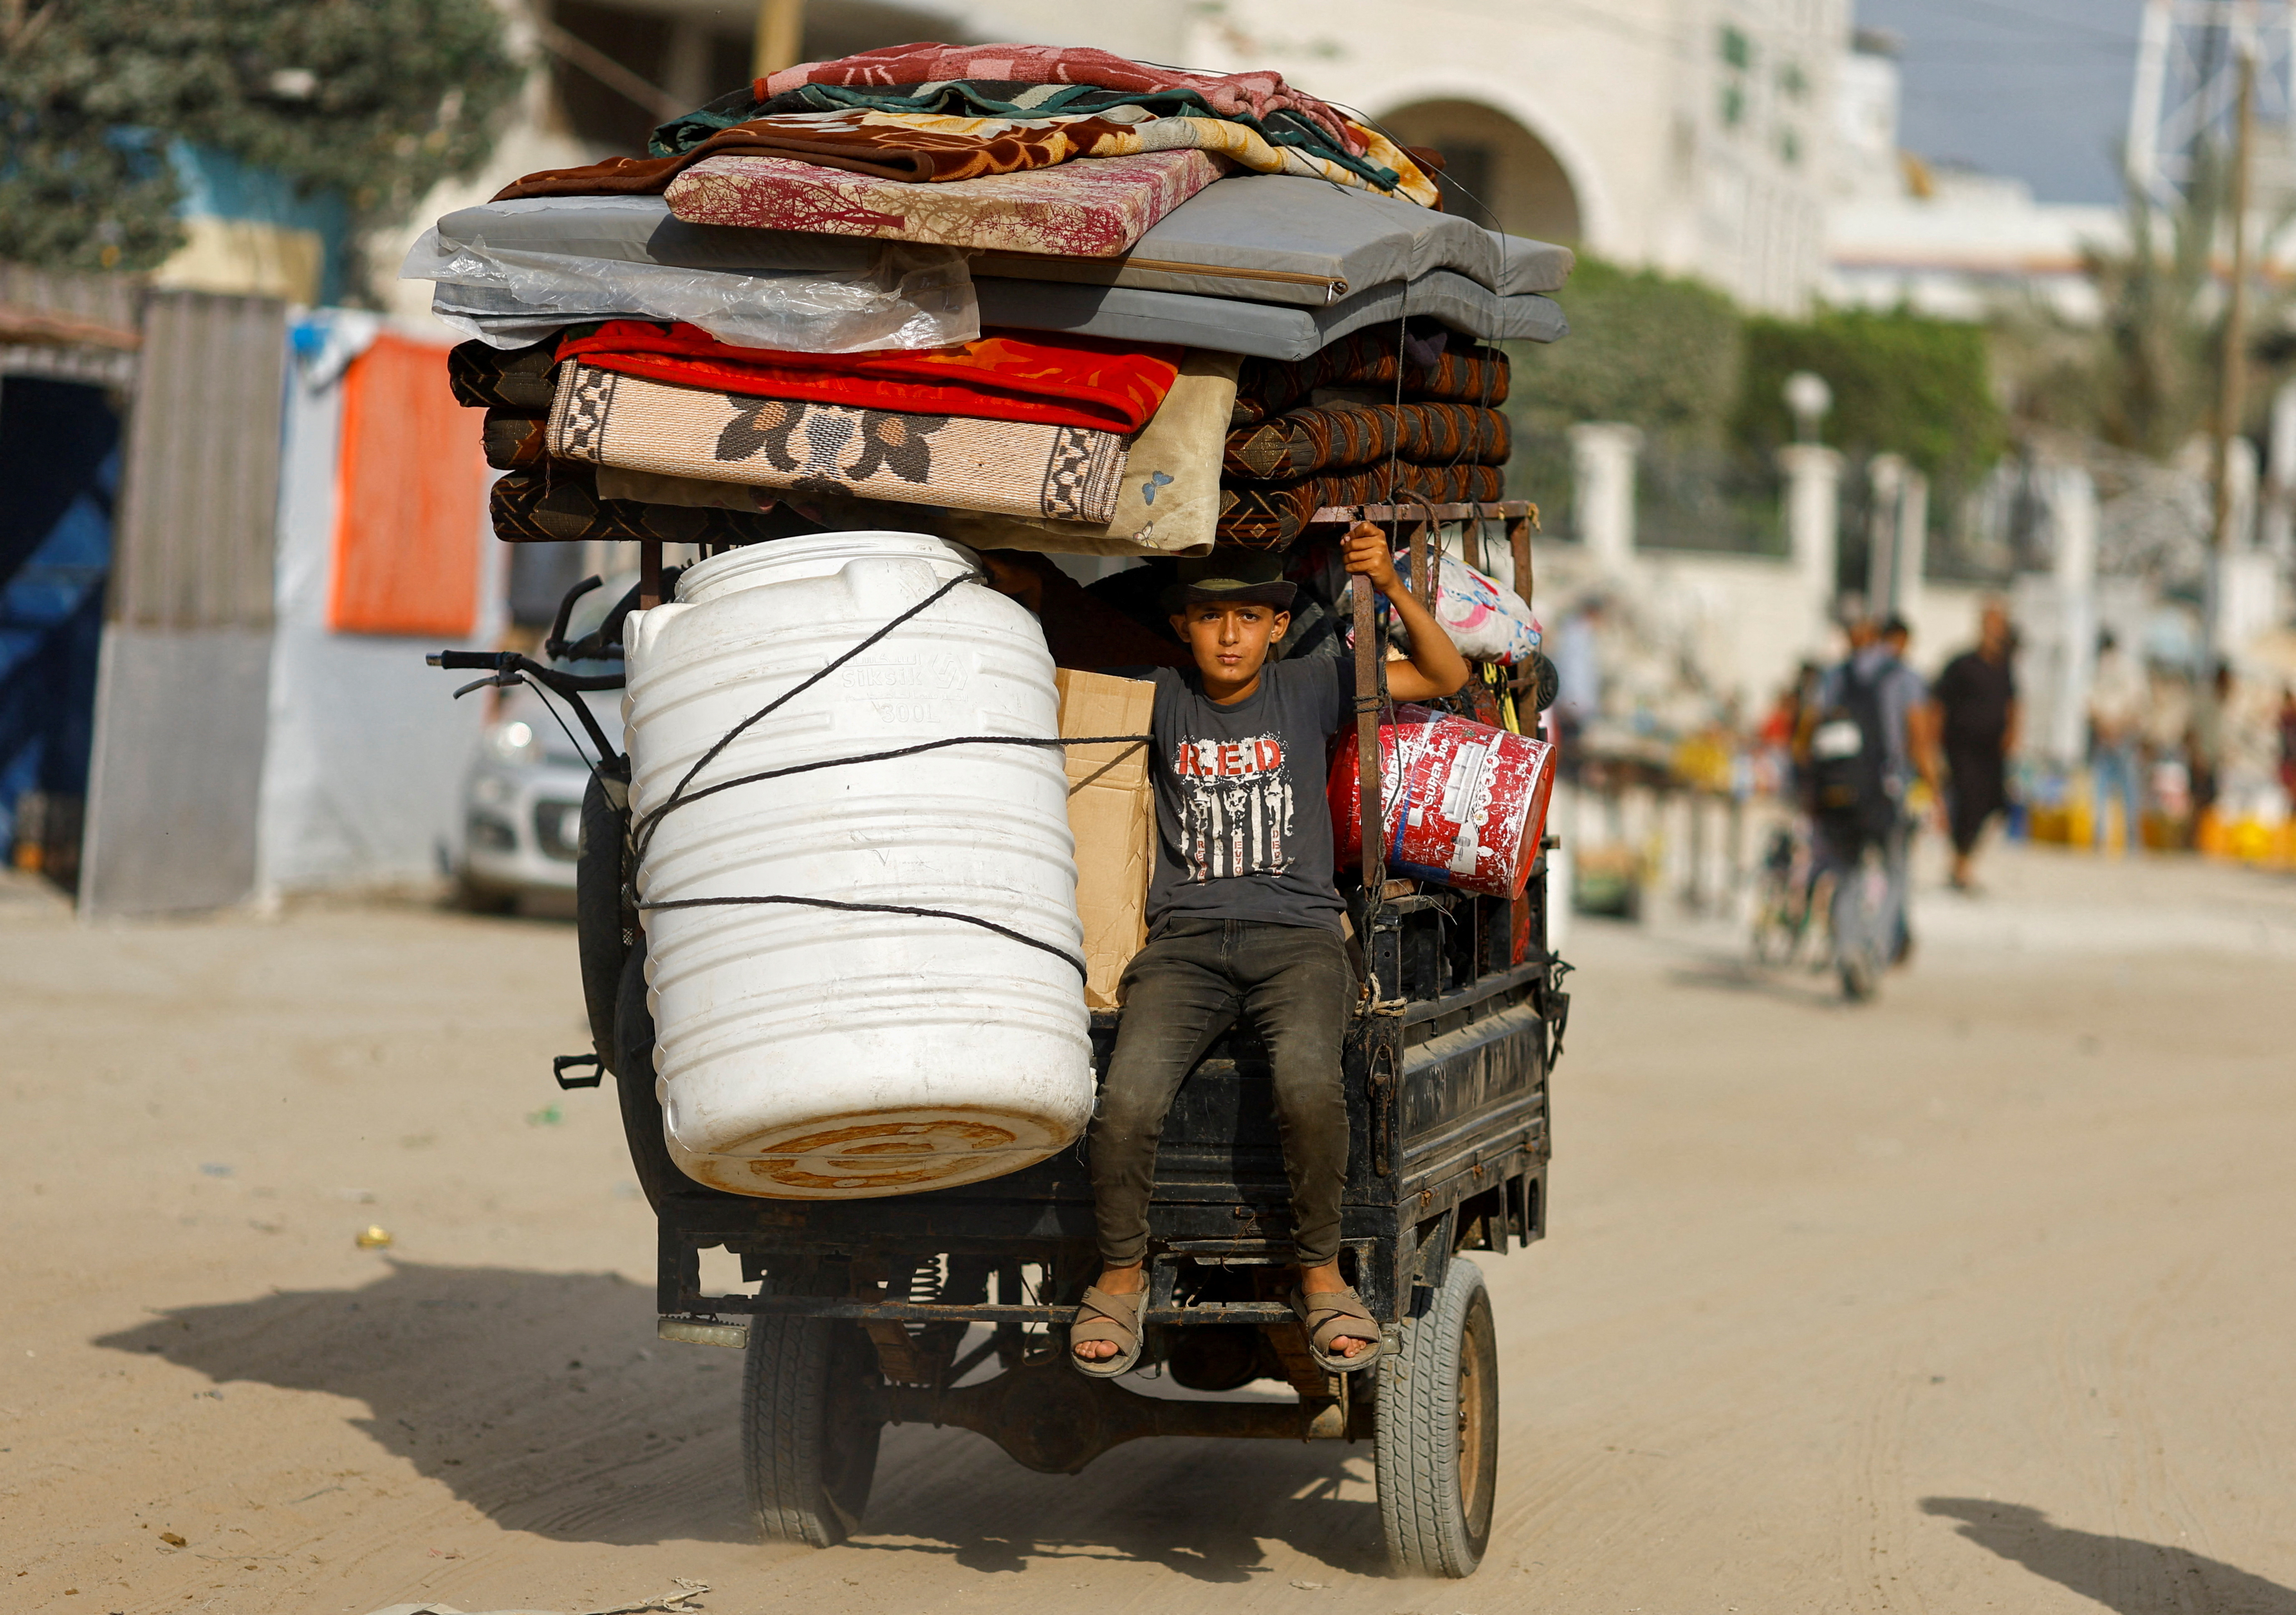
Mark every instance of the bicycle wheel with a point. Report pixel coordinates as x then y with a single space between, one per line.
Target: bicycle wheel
1861 950
1774 935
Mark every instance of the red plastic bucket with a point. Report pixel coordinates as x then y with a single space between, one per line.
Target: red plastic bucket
1465 803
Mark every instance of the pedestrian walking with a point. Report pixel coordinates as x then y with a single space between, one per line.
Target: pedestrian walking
2288 742
1870 734
2116 714
1978 719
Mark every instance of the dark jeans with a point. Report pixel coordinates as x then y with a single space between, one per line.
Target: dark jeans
1190 984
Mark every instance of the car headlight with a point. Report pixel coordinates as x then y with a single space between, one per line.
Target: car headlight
516 741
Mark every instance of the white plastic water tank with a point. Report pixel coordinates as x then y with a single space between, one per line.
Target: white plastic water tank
804 1054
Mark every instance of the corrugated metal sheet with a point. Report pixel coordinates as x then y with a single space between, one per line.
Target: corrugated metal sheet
202 493
178 768
116 300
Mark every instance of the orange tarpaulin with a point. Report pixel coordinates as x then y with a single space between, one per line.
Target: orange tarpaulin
410 495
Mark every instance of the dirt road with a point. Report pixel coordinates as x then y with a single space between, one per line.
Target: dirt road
1977 1299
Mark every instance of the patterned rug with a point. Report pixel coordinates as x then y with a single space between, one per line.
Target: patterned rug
1018 468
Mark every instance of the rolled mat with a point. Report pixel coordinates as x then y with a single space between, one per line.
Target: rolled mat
1017 468
560 503
499 378
1268 516
1316 442
513 440
1462 374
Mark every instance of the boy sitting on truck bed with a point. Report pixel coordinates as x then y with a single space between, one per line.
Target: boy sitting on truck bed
1244 918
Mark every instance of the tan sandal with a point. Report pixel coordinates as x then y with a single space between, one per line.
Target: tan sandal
1332 1315
1113 1318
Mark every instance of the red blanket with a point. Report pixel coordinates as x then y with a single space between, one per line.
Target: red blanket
1058 380
1255 94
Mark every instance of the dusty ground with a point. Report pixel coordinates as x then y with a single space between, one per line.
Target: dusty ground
1977 1299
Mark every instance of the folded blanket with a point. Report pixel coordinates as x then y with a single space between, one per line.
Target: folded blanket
1095 208
1263 516
1347 437
1376 162
561 503
940 148
513 440
1459 373
1258 95
911 148
1020 468
1049 378
1166 506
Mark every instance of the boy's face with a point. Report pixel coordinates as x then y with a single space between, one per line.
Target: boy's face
1230 639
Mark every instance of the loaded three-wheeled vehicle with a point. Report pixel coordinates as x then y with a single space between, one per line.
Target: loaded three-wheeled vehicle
950 1306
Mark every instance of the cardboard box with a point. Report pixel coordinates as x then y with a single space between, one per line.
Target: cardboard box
1112 814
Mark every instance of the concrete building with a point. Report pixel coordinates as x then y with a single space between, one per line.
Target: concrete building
1945 241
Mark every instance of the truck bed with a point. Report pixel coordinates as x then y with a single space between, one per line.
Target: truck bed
1446 1081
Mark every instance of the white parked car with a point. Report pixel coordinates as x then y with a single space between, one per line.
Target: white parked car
522 801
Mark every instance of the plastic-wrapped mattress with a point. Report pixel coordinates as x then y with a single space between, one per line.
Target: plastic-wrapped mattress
1205 276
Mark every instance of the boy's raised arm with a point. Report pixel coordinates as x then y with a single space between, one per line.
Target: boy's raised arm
1435 666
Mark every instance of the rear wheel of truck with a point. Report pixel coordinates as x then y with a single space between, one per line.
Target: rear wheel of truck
1438 1444
808 1452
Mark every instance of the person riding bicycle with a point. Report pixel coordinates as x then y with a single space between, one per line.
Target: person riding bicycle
1868 735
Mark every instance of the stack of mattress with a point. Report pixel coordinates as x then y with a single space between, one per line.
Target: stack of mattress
1022 297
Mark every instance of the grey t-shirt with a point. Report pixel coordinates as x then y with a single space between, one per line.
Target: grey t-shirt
1242 829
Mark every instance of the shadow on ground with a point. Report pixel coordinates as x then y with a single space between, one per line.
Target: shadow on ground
544 1401
2122 1573
1200 1509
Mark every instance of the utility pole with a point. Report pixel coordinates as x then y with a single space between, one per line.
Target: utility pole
780 40
2184 98
2232 377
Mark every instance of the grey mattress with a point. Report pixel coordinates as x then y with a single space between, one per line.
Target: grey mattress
1280 238
1267 331
1270 238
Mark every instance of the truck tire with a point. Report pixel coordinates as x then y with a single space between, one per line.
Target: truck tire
809 1454
633 1068
1436 1452
600 920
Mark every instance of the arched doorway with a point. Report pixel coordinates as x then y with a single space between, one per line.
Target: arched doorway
1496 172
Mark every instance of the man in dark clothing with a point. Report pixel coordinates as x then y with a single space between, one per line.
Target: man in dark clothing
1244 919
1977 696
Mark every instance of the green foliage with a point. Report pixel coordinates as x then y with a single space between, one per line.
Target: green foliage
377 98
1645 348
1704 382
1902 382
